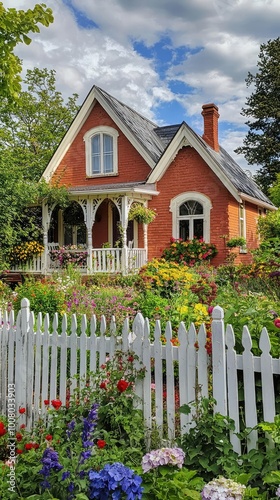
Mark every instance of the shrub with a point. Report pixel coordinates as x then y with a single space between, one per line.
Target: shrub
189 252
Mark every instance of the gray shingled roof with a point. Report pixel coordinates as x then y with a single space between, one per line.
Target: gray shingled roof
128 186
142 128
156 139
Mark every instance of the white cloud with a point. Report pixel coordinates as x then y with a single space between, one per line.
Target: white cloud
228 32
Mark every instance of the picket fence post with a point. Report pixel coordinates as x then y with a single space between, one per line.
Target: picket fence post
219 361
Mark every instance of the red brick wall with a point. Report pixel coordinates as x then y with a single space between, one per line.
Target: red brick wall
72 169
189 172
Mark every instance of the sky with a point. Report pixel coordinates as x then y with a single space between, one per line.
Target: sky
164 58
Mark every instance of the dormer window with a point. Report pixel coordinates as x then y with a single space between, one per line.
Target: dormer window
101 151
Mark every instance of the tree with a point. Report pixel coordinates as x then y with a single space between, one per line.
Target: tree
30 130
262 142
32 126
15 25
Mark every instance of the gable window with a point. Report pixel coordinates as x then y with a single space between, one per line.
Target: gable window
191 216
101 151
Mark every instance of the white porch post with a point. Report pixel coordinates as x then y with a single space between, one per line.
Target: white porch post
145 229
124 220
45 224
89 256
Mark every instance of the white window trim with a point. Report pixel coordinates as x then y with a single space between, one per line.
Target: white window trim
242 227
87 139
191 195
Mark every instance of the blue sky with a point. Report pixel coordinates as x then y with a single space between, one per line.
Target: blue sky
165 59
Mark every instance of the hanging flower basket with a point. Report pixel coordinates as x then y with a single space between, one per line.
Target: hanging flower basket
141 214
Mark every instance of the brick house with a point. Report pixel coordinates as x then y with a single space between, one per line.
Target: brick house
112 157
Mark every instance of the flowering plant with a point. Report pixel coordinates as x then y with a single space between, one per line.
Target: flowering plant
189 252
141 214
115 479
24 252
163 456
71 254
223 489
165 477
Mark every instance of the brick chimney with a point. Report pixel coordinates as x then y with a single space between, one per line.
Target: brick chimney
211 116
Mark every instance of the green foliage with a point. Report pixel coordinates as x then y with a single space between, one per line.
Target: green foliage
32 127
236 242
142 214
252 309
96 426
189 252
261 144
43 297
209 451
15 25
169 483
274 191
30 130
269 226
207 445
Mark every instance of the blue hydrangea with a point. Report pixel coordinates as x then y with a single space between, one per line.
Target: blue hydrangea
114 481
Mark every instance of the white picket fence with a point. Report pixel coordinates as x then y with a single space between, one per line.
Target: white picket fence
34 357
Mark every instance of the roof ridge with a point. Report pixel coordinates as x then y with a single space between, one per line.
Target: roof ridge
125 105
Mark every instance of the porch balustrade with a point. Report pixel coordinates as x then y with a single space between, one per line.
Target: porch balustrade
104 260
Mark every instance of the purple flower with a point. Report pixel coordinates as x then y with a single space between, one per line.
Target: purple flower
65 475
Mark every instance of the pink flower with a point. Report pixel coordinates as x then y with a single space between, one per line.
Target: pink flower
277 322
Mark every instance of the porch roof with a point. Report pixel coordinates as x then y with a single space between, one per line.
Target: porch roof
121 188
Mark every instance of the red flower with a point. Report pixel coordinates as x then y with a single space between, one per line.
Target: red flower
277 322
22 410
122 385
19 452
130 359
19 436
28 446
101 443
48 437
35 445
22 426
56 403
3 429
210 309
103 385
46 402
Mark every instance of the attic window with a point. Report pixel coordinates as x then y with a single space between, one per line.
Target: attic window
101 151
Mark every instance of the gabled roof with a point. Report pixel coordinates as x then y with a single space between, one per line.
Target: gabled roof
144 130
159 145
223 165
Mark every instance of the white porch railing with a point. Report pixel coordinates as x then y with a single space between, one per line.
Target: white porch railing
104 260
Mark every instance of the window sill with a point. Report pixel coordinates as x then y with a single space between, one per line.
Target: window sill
94 176
243 250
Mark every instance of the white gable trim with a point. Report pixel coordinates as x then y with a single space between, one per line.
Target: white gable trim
257 202
185 138
70 135
85 110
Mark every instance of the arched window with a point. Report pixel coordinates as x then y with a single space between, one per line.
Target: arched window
191 216
101 151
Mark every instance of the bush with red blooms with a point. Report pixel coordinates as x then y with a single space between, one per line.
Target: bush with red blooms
189 252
